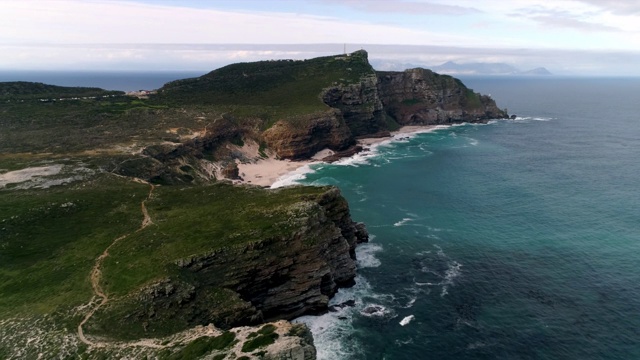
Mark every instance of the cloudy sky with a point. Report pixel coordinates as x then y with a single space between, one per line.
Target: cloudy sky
600 37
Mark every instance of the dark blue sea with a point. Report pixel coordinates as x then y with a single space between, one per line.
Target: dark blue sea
519 239
115 80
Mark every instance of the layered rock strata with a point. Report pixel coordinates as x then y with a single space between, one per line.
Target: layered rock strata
270 279
422 97
376 104
285 278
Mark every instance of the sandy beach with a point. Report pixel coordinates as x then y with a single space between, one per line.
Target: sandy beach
267 171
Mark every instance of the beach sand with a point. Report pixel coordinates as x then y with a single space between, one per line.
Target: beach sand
266 171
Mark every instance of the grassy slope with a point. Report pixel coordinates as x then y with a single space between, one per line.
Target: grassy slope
196 220
51 238
78 125
268 89
253 95
22 90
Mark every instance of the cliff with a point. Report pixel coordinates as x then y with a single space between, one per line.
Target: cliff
289 268
328 102
422 97
297 108
119 268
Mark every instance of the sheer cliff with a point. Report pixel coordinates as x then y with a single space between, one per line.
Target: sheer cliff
297 108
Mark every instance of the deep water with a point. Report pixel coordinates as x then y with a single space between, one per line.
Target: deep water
519 239
115 80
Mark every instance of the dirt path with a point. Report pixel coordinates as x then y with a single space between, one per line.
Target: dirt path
96 273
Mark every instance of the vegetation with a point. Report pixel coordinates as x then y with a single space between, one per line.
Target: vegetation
259 341
204 345
22 90
51 238
263 337
277 89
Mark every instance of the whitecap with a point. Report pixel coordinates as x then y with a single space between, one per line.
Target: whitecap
411 302
399 342
331 329
407 320
450 274
366 255
403 221
294 177
376 311
531 118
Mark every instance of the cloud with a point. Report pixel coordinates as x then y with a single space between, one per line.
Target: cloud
619 7
576 19
206 57
405 7
571 23
100 21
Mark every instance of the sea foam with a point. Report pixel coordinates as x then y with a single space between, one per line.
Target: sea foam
366 255
407 320
331 330
294 177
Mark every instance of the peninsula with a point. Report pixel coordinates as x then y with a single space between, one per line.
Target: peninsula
122 235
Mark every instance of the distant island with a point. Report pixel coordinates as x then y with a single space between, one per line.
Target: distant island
482 68
131 225
478 68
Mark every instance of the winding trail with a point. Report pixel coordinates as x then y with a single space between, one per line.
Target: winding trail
96 272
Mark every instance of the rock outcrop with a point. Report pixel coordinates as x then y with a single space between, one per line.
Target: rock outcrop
275 278
303 136
375 104
285 278
422 97
359 104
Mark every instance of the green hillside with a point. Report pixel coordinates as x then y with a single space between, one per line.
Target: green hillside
281 88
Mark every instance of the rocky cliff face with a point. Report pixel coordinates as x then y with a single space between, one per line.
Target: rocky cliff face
274 278
375 104
303 136
359 105
285 278
422 97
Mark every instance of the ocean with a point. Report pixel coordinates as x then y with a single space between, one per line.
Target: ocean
518 239
115 80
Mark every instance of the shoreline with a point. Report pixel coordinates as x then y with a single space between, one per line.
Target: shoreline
270 171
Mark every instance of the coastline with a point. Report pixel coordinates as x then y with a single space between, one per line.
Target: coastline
272 172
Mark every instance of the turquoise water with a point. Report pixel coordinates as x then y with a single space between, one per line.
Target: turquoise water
519 239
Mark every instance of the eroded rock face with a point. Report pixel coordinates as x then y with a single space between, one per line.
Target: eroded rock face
359 104
422 97
271 279
412 97
285 278
302 137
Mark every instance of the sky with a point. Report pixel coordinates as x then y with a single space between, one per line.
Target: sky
573 37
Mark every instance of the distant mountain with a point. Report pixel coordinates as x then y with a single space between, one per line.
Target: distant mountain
453 68
481 68
537 71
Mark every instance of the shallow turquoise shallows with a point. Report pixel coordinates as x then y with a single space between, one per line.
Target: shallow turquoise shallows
519 239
